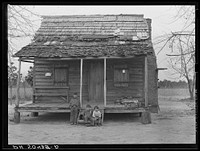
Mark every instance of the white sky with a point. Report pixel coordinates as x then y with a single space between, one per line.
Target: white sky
162 16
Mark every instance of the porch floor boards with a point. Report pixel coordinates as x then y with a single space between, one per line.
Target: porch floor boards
64 107
45 107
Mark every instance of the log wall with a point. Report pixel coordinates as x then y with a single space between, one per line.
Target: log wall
135 86
41 67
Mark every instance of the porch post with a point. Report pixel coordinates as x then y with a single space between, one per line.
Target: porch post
18 85
104 82
33 88
146 81
81 80
17 113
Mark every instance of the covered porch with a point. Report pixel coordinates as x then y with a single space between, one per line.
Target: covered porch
100 93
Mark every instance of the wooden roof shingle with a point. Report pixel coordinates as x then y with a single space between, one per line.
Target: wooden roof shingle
90 36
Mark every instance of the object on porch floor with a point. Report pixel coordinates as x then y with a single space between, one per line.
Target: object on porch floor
128 101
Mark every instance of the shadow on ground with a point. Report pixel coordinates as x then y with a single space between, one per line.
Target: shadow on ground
57 118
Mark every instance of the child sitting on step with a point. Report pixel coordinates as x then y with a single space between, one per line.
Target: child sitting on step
96 116
88 114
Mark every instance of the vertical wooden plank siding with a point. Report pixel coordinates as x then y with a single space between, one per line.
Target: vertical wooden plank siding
146 81
104 82
81 80
18 84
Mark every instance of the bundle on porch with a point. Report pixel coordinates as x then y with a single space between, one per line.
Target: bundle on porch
129 102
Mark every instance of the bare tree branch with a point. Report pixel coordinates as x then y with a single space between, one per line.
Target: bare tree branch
183 44
21 24
176 55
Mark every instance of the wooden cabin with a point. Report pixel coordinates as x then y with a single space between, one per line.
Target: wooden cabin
108 60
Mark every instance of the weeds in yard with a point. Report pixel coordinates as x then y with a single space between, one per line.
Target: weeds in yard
24 95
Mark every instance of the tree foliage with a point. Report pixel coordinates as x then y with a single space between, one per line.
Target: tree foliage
29 77
12 75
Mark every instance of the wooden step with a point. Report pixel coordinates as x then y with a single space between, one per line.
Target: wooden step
48 94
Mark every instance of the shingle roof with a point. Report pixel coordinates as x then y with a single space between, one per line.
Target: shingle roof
90 35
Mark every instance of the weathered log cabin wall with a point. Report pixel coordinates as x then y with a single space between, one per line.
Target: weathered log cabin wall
135 86
73 67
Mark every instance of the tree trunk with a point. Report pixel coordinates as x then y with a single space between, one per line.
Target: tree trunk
190 87
11 95
191 95
24 91
16 116
194 86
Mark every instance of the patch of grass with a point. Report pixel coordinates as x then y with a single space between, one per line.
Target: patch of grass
25 95
173 93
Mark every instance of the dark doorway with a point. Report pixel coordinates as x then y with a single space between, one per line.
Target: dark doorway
95 81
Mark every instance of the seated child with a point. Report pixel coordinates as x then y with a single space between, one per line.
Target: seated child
88 114
96 115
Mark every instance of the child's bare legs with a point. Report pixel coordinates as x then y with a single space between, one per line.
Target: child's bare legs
99 121
93 121
74 115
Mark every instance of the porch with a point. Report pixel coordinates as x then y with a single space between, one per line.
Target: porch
64 107
99 83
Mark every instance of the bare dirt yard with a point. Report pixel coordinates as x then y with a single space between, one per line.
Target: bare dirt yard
174 124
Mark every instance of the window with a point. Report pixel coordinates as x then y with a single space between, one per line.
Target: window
60 76
121 75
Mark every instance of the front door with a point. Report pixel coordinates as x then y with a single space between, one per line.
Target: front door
96 81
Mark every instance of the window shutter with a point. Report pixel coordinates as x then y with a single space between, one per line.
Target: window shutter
121 75
61 76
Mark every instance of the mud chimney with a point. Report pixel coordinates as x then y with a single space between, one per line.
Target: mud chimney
149 25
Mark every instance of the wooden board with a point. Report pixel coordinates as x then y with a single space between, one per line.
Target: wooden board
107 110
146 82
135 84
93 88
96 81
50 87
64 107
45 105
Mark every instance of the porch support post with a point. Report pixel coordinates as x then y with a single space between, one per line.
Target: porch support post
146 81
17 113
104 82
18 84
33 88
81 81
